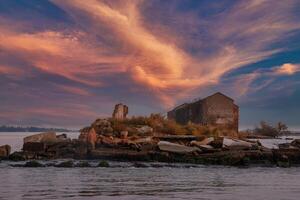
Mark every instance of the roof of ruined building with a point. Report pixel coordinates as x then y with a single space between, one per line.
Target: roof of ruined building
198 100
218 93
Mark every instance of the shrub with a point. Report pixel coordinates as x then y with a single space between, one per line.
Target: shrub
268 130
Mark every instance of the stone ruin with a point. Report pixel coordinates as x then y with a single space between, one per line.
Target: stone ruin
120 112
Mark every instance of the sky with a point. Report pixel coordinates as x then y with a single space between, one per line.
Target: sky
65 63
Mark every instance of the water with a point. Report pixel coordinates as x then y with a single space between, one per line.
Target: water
122 181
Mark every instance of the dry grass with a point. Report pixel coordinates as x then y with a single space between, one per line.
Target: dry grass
164 126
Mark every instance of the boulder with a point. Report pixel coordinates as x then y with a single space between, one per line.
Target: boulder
33 163
108 141
80 149
205 147
89 136
62 136
17 156
217 142
236 144
176 148
4 151
83 164
101 126
296 143
41 137
123 134
145 130
37 147
206 141
65 164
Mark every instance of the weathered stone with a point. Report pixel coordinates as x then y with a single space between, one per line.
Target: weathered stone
176 148
120 112
205 147
62 136
83 164
62 149
296 143
236 144
80 149
123 134
66 164
145 130
89 136
139 165
34 147
17 156
4 151
33 163
217 142
206 141
41 137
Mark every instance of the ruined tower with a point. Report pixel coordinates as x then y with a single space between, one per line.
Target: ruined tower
120 111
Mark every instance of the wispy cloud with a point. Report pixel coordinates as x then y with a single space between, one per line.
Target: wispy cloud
116 48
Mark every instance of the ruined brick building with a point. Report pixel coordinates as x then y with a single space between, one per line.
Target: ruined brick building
216 110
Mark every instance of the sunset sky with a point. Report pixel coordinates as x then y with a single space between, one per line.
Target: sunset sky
66 62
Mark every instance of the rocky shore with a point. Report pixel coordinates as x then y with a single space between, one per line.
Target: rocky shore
108 139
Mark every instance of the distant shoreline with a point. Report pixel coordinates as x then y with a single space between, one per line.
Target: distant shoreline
32 129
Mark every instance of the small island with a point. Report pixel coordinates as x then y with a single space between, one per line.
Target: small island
202 132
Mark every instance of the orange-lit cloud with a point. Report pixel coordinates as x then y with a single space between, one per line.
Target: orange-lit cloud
112 48
287 69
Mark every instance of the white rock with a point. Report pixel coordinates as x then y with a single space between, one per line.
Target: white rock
206 141
145 129
176 148
236 144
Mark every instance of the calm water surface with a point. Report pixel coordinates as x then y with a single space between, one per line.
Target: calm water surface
124 182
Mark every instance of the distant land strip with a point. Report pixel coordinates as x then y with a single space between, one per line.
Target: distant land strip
5 128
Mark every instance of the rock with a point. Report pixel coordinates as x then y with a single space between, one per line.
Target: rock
37 147
206 141
17 156
176 148
205 147
66 164
217 142
41 137
80 149
120 112
296 143
101 126
62 136
4 151
124 134
283 161
236 144
145 130
33 163
107 141
103 164
83 164
89 136
139 165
